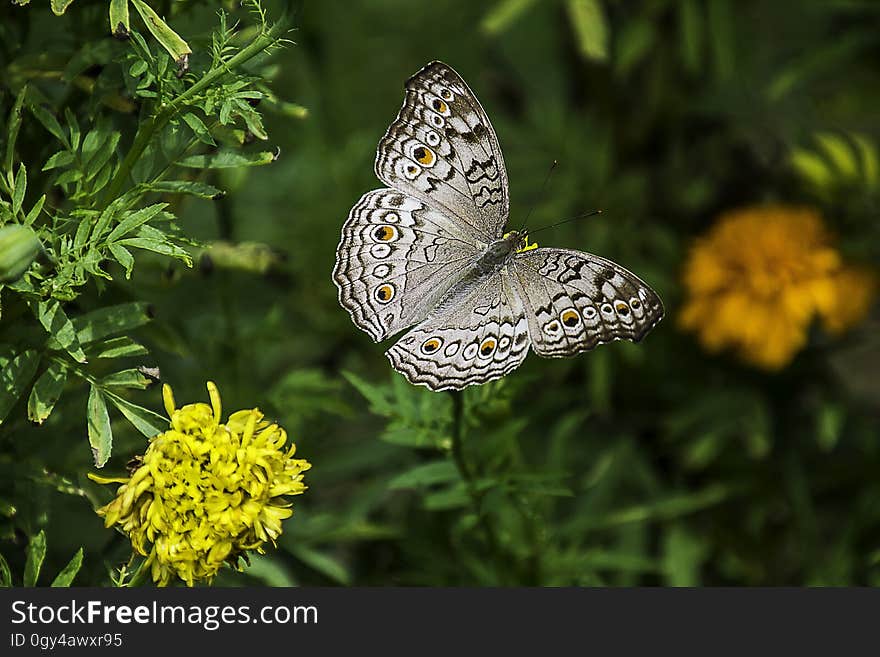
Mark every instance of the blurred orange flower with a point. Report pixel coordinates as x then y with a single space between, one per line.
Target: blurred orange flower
761 276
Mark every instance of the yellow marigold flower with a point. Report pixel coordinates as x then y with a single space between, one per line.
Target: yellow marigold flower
206 492
761 276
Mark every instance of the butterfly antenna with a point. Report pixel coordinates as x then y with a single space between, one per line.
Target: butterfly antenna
540 195
565 221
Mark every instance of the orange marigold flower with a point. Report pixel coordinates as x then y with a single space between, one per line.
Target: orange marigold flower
759 278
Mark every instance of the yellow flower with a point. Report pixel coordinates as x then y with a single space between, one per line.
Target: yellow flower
761 276
206 492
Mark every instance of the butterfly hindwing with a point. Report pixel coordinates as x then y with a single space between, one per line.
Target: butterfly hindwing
479 336
443 150
396 258
576 301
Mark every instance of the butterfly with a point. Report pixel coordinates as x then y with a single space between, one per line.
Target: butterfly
429 252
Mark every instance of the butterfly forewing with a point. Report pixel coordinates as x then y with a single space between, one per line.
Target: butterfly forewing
577 300
443 150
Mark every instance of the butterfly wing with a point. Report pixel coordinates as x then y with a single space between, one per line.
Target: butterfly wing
476 336
395 260
576 301
442 150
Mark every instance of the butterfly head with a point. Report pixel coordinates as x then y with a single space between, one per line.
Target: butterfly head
520 240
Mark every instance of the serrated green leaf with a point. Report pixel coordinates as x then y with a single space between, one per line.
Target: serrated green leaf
199 128
106 321
15 375
160 245
170 40
59 327
143 419
101 156
100 433
590 28
48 120
426 474
123 257
228 160
135 220
46 392
36 554
119 19
192 187
65 577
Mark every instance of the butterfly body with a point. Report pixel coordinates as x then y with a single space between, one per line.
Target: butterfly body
430 252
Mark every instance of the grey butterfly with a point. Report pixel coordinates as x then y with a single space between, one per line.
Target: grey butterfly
430 252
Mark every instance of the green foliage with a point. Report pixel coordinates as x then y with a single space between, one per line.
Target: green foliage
166 208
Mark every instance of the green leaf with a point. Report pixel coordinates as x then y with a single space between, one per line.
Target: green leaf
228 160
35 211
590 27
454 497
503 14
144 420
122 347
199 128
380 404
683 554
60 6
100 433
46 392
810 167
36 554
135 220
5 573
633 45
130 378
12 129
427 474
101 156
65 577
51 124
160 245
721 27
323 563
106 321
61 330
119 20
200 189
59 159
870 159
123 257
19 189
169 39
15 375
839 152
19 247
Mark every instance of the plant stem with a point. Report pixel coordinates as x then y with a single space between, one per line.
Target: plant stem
158 121
476 497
